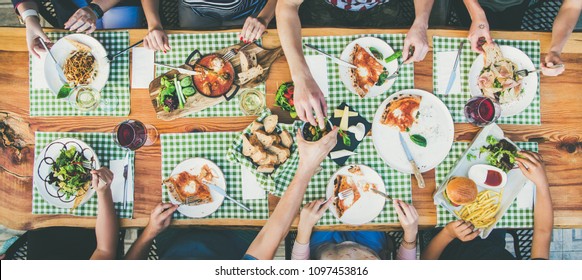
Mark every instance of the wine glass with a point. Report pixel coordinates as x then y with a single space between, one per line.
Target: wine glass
482 111
85 98
133 134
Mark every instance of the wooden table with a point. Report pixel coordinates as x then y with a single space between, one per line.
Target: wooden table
559 136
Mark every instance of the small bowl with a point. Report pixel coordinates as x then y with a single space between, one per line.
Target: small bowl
480 173
307 135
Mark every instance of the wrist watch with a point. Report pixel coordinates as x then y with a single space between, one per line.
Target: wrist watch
28 13
96 9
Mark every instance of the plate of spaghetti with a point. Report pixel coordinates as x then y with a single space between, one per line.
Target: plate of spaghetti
83 60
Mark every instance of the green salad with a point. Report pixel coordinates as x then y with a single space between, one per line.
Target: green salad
500 153
68 173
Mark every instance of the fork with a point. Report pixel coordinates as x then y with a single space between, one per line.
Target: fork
395 74
525 72
232 52
189 199
345 194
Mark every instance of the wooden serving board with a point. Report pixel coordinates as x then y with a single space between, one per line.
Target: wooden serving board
199 102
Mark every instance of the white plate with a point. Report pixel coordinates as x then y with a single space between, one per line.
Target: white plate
530 83
42 168
61 51
515 178
435 124
367 42
193 166
369 206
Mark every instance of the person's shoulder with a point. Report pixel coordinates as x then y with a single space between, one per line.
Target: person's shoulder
248 257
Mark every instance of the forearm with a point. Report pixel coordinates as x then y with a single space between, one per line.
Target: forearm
26 5
268 12
564 23
543 223
141 247
475 11
150 9
436 247
289 28
277 227
106 5
106 227
422 10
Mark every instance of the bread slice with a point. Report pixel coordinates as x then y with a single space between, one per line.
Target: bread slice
266 168
247 148
270 123
286 138
271 159
266 139
259 155
256 125
281 152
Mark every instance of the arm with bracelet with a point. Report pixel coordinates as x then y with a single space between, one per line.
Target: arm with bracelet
84 19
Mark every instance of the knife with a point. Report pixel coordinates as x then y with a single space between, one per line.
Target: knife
454 72
181 70
417 173
333 58
65 89
125 167
222 192
382 194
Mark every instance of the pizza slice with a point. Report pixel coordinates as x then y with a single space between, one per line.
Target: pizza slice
188 188
402 112
342 183
368 70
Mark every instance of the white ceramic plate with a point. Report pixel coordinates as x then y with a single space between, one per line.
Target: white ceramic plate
193 166
370 204
435 124
61 51
530 83
367 42
42 168
515 178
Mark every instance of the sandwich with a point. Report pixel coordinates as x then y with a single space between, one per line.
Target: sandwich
460 191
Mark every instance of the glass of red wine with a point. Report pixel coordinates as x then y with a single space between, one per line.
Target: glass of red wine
133 134
482 111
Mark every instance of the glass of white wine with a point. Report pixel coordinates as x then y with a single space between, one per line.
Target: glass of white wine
252 102
85 98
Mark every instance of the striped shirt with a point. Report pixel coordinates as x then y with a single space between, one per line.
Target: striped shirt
226 9
356 5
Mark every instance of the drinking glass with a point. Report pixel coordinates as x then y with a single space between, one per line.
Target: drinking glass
252 102
482 111
84 98
133 134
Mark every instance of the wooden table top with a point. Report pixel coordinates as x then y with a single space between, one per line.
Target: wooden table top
559 136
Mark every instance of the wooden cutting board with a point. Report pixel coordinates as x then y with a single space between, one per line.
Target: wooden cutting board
199 102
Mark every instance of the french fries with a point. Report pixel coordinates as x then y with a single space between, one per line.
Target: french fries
481 213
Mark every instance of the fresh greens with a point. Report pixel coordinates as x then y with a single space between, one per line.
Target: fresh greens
188 91
393 56
186 82
69 174
64 91
284 98
382 78
418 140
471 157
376 53
500 153
173 92
345 138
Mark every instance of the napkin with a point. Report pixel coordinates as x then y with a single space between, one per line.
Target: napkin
142 67
318 66
525 198
38 81
116 166
251 189
445 62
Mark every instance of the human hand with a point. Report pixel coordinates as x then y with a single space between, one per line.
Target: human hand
160 219
478 35
253 29
312 212
34 33
461 230
415 38
533 167
83 20
157 40
311 154
101 179
309 99
551 60
408 218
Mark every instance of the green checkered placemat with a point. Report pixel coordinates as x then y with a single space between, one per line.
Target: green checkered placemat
43 102
177 147
106 150
398 185
513 218
456 101
183 45
338 93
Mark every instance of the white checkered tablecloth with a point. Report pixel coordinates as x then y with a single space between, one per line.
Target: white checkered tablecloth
456 101
184 44
513 218
43 102
398 185
106 150
177 147
338 93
